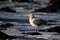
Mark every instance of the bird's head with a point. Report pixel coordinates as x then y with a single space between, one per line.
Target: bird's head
29 15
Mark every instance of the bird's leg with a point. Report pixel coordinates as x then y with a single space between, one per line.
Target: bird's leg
36 29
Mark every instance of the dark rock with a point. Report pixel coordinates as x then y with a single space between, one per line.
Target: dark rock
20 0
7 9
54 3
54 29
5 36
32 33
6 25
47 10
53 6
2 0
23 0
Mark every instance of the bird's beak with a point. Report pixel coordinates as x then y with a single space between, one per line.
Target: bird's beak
26 15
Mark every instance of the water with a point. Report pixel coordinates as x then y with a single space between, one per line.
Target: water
21 22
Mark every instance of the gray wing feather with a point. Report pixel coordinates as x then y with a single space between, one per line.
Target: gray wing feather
39 22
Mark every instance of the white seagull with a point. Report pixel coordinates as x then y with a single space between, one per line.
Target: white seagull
35 22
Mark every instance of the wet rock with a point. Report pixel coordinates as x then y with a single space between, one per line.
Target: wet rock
54 29
6 25
5 36
47 10
21 0
32 33
1 0
7 9
53 6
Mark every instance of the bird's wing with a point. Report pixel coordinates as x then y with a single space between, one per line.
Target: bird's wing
39 22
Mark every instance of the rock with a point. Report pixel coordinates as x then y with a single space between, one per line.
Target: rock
53 6
47 10
22 0
32 33
6 25
54 3
7 9
42 10
5 36
1 0
54 29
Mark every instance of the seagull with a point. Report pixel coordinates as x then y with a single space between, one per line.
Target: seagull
35 22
